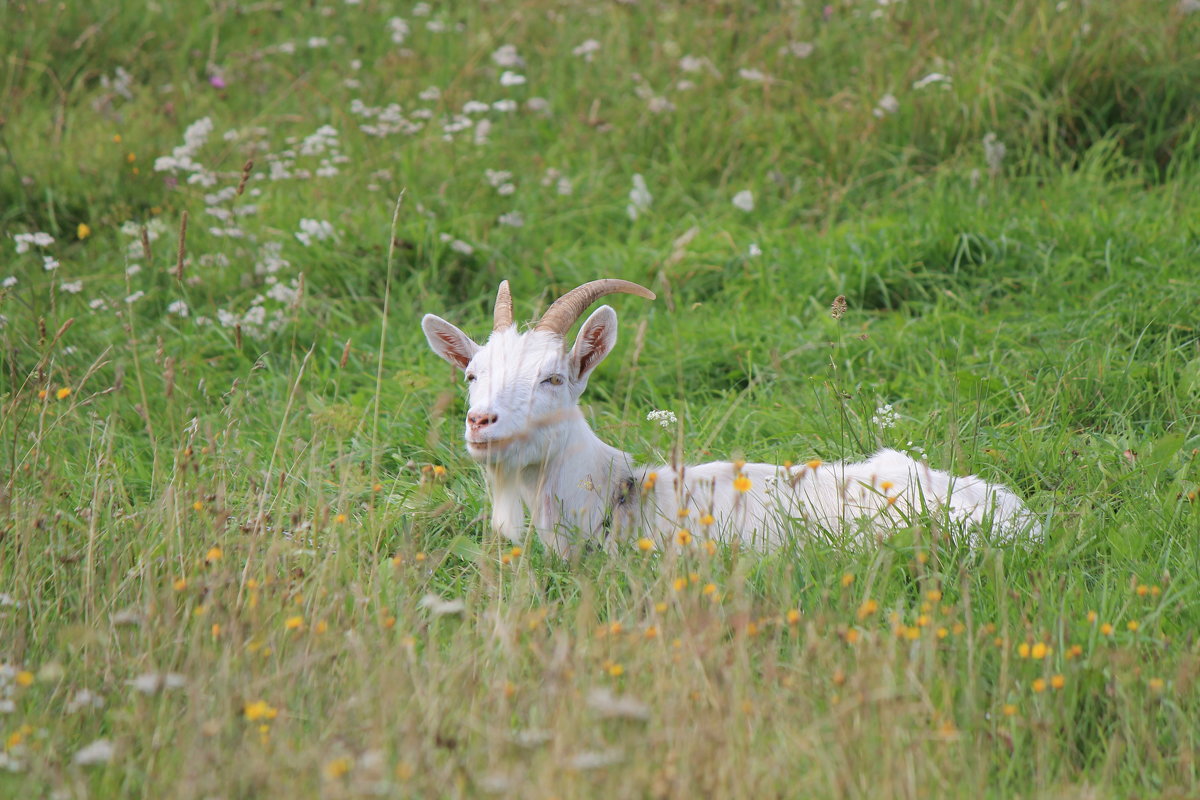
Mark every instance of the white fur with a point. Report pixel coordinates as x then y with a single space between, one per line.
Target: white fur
540 455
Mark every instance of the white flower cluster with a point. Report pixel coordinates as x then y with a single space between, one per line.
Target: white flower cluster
182 158
26 240
314 230
885 417
664 418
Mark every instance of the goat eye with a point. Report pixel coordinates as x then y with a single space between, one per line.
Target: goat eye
470 378
554 380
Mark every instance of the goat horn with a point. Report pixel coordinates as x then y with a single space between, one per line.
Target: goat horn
560 316
502 317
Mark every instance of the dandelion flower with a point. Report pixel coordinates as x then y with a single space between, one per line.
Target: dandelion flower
684 537
1039 650
709 588
792 616
707 520
868 608
214 554
710 547
680 584
1132 625
1106 629
645 545
1057 681
1023 650
615 670
1091 616
1156 685
180 584
1039 685
847 579
815 463
63 393
82 231
742 484
340 518
294 623
1009 710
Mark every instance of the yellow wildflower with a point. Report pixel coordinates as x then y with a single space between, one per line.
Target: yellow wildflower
1039 650
868 608
815 463
852 636
683 536
24 678
847 579
1009 710
197 506
1106 629
337 768
1023 650
942 633
1156 685
616 670
180 584
742 484
1132 625
214 554
439 471
1058 681
793 616
651 479
259 710
707 520
63 393
82 231
340 518
1091 616
645 545
709 588
710 547
1039 685
886 485
680 584
294 623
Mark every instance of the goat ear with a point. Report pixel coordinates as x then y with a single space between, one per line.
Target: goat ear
448 341
596 340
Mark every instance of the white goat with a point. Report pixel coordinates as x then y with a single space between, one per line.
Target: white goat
525 427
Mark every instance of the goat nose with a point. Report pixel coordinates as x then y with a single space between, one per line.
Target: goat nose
481 420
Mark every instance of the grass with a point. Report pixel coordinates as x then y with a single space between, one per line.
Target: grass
258 505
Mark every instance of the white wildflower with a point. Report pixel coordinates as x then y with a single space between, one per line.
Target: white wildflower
664 418
753 75
505 106
482 131
72 287
691 64
587 50
50 263
430 94
9 282
538 105
314 230
421 10
639 197
497 177
797 49
510 78
744 200
506 56
179 308
755 251
932 78
885 417
888 104
84 699
25 240
512 219
399 29
100 751
133 298
475 107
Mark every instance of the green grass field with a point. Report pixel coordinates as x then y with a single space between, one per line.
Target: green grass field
232 469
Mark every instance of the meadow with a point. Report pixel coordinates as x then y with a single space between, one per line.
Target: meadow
244 554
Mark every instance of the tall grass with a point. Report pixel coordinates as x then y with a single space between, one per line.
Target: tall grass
228 531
